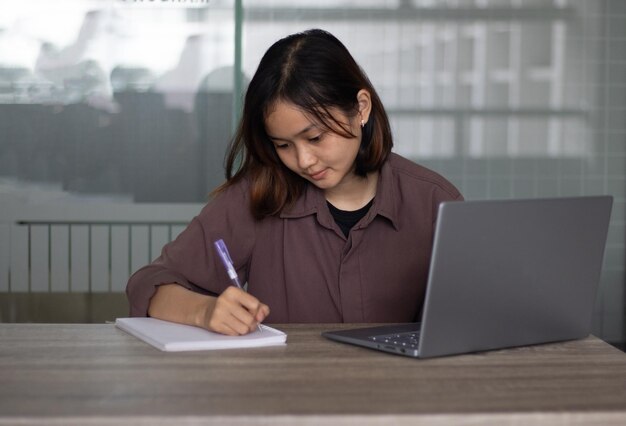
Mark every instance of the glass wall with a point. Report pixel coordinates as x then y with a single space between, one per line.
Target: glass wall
122 110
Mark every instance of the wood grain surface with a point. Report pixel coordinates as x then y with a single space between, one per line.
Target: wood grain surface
97 374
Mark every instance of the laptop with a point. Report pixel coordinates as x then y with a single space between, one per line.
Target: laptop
503 273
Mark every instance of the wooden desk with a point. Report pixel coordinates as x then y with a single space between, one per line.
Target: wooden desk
96 374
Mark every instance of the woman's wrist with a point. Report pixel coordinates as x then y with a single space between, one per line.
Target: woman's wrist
201 314
173 302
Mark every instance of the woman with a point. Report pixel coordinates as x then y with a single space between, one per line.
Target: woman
322 221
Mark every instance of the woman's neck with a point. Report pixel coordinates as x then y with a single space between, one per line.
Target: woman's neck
353 194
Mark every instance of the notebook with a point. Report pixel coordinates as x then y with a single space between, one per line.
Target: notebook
503 273
173 337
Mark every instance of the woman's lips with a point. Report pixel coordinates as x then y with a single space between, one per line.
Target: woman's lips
318 175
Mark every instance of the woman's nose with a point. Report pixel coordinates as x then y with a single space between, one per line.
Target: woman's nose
305 158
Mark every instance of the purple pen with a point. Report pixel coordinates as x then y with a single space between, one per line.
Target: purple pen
227 261
220 246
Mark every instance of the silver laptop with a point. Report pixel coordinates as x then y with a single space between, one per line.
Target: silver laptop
503 273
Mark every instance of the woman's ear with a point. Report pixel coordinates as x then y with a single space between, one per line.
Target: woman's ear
364 100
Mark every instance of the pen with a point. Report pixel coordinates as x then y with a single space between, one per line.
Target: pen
220 246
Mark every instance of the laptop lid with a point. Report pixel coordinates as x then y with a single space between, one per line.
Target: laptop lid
508 273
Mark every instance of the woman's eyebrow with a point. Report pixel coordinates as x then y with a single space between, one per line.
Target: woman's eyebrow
306 129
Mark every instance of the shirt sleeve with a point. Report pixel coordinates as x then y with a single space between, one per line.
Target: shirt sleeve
191 260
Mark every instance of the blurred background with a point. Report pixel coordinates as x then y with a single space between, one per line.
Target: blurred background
115 116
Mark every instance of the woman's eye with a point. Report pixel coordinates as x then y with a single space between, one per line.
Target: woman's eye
281 146
316 138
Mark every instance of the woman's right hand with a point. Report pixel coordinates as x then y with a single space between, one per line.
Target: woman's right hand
234 312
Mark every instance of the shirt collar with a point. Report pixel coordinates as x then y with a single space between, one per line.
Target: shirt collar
313 202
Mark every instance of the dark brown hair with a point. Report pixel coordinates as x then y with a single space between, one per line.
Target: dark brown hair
314 71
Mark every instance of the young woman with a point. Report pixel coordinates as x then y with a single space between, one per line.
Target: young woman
322 221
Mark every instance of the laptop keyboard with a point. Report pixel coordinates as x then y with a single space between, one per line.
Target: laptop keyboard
404 340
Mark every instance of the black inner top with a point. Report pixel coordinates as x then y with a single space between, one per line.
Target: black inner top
347 219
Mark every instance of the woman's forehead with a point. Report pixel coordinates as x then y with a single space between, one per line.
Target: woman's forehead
320 116
286 120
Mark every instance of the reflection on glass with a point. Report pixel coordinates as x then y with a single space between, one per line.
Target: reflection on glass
96 94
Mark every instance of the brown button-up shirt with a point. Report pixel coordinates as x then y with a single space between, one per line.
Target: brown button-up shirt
301 265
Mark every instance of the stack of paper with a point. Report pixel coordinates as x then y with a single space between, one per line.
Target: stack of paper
173 337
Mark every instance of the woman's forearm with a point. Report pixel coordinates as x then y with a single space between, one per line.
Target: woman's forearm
175 303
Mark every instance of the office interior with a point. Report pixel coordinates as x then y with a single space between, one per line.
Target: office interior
115 116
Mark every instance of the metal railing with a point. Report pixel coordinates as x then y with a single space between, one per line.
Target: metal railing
71 227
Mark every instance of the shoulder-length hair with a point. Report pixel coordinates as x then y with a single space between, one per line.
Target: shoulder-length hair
314 71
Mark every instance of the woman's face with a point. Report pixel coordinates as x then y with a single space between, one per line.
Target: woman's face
307 148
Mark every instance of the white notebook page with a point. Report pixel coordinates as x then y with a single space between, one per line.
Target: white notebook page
173 337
